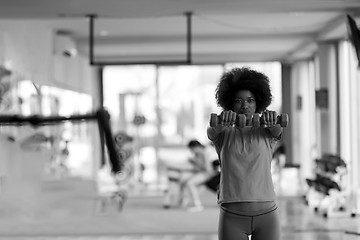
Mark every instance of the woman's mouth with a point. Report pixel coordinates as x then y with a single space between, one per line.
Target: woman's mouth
245 112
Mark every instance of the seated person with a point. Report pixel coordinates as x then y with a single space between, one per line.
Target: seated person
200 174
213 182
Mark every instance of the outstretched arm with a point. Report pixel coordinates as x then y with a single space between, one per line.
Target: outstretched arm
275 131
227 119
270 119
213 132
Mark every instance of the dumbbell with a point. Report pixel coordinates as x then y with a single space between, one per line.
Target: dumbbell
256 121
216 119
282 120
239 122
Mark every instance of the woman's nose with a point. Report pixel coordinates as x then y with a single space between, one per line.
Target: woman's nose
244 105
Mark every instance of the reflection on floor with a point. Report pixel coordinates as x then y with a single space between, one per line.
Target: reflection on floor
310 235
132 237
143 218
298 221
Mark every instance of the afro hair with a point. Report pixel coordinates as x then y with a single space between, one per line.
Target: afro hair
243 78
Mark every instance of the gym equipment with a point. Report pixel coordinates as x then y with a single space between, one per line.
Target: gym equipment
256 121
216 119
115 187
103 120
326 191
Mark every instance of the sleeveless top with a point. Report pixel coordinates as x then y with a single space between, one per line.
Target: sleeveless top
245 156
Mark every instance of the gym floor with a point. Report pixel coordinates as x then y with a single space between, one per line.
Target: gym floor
144 218
71 213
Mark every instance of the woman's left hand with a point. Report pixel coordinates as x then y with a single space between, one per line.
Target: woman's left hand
269 118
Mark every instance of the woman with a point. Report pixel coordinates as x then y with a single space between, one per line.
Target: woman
246 192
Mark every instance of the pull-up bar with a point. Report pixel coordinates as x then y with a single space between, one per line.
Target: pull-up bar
187 61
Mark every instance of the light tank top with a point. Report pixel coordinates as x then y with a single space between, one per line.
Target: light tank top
245 156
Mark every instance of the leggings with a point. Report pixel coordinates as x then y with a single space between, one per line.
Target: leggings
235 225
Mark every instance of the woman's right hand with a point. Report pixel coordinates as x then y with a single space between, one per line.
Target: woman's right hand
228 118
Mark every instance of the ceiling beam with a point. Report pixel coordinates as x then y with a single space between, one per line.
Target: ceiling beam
92 44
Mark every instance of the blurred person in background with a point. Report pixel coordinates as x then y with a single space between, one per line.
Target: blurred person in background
185 179
201 172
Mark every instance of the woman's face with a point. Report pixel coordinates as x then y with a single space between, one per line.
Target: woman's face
245 103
